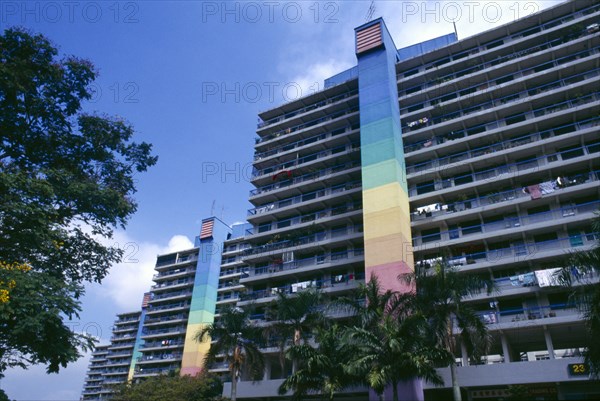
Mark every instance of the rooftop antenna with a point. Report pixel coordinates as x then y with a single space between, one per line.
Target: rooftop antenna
370 12
212 208
455 31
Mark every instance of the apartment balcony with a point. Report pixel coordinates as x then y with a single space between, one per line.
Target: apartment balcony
121 345
173 307
518 252
515 47
503 113
230 272
503 174
147 372
167 344
535 316
170 296
337 283
303 265
162 265
429 214
580 129
168 319
321 140
348 209
172 274
117 363
518 81
168 285
323 159
270 210
158 358
122 337
563 215
307 129
123 329
311 181
306 241
118 354
117 372
163 332
301 112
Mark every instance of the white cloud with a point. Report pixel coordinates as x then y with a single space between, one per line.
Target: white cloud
130 279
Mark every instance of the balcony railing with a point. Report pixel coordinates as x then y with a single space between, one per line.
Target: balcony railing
500 146
178 329
308 218
150 320
304 262
538 47
157 297
185 259
337 281
533 313
152 308
508 223
513 76
508 120
312 123
522 251
173 272
163 343
304 197
317 175
438 209
283 167
156 371
303 142
504 170
159 357
303 240
171 283
311 107
517 35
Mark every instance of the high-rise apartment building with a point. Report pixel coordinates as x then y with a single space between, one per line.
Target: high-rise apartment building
483 150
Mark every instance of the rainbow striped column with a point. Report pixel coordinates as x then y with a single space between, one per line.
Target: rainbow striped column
386 214
138 338
204 296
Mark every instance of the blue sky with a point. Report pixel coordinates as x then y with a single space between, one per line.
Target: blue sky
191 77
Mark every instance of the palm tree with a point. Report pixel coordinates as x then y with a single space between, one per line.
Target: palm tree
234 337
586 264
294 319
391 343
323 368
439 297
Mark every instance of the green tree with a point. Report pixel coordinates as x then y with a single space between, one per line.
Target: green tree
234 337
586 265
323 368
66 182
439 297
293 319
392 345
203 387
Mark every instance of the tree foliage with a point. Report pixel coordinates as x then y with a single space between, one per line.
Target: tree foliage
584 267
66 182
393 343
323 367
233 336
203 387
439 297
